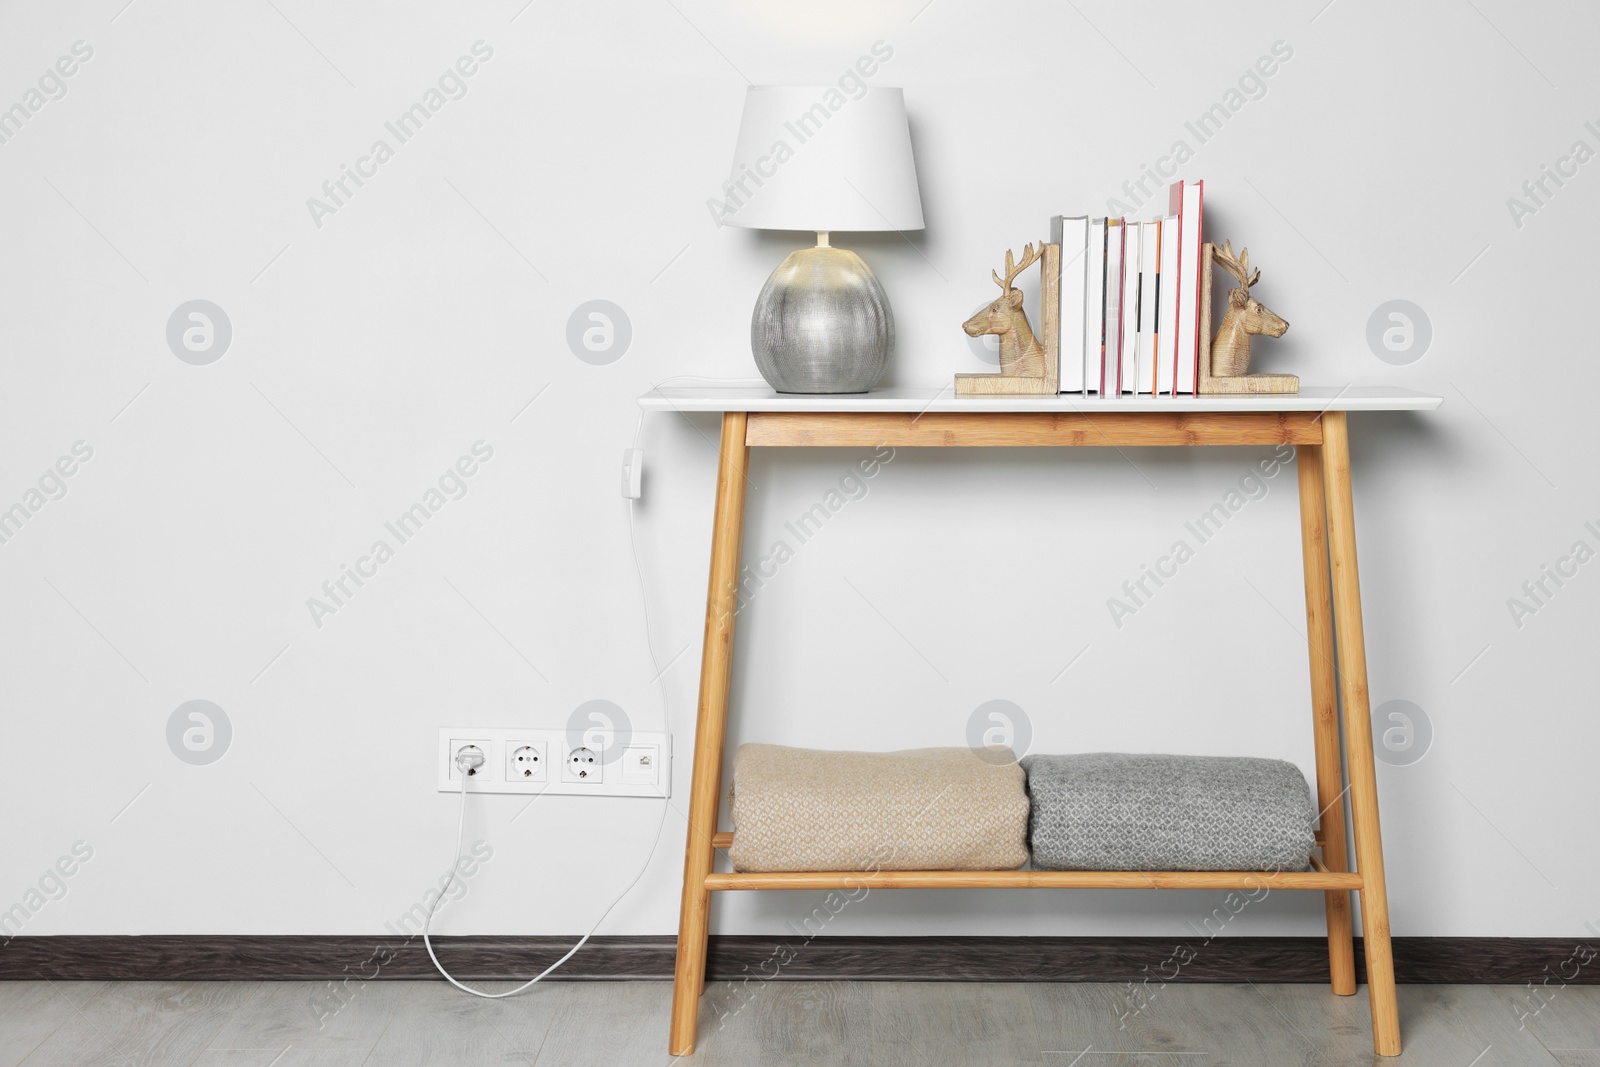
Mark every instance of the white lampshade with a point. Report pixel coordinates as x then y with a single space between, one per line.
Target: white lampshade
811 157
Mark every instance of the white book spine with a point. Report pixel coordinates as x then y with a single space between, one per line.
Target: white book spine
1149 258
1072 234
1131 258
1111 365
1094 305
1167 316
1189 288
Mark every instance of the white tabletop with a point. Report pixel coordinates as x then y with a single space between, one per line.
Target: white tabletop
1309 398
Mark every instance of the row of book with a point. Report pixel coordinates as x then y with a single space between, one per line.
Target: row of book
1130 299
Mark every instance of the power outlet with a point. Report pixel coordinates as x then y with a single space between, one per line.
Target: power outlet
478 774
583 767
530 762
525 761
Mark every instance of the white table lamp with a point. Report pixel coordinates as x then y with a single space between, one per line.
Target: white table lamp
815 158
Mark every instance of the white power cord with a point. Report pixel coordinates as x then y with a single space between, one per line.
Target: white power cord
463 763
467 763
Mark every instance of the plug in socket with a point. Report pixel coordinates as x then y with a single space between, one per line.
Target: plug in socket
484 748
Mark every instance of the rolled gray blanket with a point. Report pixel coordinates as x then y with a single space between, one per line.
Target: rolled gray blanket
1112 811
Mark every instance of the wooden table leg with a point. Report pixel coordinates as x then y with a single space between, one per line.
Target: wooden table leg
1325 713
1358 734
722 602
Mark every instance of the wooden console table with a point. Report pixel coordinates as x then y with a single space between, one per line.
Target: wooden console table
1314 421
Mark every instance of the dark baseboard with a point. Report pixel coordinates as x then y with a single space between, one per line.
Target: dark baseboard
1418 960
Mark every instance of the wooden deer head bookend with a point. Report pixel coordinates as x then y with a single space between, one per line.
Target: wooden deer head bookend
1029 365
1225 365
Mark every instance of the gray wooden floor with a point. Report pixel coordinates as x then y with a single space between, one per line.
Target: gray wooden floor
377 1024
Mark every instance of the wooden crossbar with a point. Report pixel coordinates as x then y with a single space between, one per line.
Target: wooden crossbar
900 429
1029 879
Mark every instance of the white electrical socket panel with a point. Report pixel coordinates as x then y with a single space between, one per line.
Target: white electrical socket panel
530 762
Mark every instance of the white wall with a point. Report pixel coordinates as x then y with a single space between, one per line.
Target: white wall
414 322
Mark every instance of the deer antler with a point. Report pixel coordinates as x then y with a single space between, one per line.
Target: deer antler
1029 258
1238 266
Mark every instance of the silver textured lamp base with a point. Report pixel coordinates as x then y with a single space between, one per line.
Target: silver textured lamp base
822 324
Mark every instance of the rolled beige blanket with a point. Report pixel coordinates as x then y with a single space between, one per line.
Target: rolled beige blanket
926 809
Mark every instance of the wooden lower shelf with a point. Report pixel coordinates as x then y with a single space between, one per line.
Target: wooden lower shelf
1030 879
724 838
1319 877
